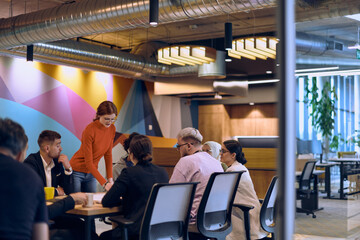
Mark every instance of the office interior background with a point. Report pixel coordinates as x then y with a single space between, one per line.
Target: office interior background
60 91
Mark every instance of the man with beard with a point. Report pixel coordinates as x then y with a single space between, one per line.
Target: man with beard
194 165
53 167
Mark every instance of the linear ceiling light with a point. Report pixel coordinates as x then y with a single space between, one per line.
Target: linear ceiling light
254 47
186 55
154 13
316 69
331 73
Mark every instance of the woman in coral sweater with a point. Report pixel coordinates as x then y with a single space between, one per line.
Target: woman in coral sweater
96 142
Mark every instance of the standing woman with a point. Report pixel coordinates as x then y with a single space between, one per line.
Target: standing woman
232 155
96 142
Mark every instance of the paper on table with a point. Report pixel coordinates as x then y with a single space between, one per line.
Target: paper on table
98 197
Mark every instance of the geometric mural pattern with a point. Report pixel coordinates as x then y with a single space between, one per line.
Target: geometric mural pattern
137 113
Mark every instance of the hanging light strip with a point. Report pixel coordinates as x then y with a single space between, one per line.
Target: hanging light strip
186 55
254 47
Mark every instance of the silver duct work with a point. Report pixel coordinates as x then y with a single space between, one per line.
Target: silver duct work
307 44
125 64
91 16
327 61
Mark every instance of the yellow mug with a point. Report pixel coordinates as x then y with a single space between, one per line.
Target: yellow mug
49 192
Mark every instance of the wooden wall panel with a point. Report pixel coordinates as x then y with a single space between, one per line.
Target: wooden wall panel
261 180
256 120
213 122
261 158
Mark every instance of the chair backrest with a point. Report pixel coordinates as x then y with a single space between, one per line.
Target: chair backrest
267 211
214 213
305 178
167 211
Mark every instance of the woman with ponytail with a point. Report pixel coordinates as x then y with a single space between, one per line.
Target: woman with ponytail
134 186
233 156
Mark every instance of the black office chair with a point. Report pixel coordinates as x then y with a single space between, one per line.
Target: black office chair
166 214
267 211
305 191
214 213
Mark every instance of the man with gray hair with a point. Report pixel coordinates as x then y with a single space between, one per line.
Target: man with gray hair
194 165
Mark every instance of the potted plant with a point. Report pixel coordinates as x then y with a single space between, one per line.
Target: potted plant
323 111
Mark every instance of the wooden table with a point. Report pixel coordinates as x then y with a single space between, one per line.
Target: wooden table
90 213
342 162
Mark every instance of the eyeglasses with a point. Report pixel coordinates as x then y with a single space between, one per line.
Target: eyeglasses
110 119
223 151
178 146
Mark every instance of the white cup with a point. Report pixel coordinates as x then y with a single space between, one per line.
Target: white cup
90 200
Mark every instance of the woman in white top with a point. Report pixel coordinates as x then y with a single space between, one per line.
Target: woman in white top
213 148
233 157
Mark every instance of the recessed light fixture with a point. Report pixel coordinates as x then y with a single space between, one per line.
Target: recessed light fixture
251 103
268 72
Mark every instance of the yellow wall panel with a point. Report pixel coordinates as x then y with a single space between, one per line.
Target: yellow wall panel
84 83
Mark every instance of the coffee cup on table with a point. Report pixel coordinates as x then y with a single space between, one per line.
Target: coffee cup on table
90 200
49 193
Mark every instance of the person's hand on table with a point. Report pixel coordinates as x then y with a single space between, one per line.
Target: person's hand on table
79 198
60 191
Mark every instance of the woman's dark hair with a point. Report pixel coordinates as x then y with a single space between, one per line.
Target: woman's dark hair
235 147
141 147
106 107
128 140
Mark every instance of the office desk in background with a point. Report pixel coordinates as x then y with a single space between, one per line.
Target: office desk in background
342 162
327 167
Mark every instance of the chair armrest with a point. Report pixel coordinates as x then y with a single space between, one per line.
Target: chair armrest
121 221
243 207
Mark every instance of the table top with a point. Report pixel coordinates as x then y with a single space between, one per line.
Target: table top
96 209
344 159
315 172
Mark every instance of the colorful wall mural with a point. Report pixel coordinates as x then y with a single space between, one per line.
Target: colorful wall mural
64 99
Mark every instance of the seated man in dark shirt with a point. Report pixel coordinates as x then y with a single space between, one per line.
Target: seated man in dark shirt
53 167
23 213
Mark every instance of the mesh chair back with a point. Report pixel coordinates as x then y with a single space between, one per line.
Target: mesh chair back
214 214
267 211
168 211
305 178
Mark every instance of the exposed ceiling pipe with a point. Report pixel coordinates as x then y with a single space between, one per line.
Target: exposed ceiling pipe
91 16
123 63
324 61
307 44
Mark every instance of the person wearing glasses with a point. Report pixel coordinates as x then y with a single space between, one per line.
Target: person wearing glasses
194 165
213 148
233 156
96 142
